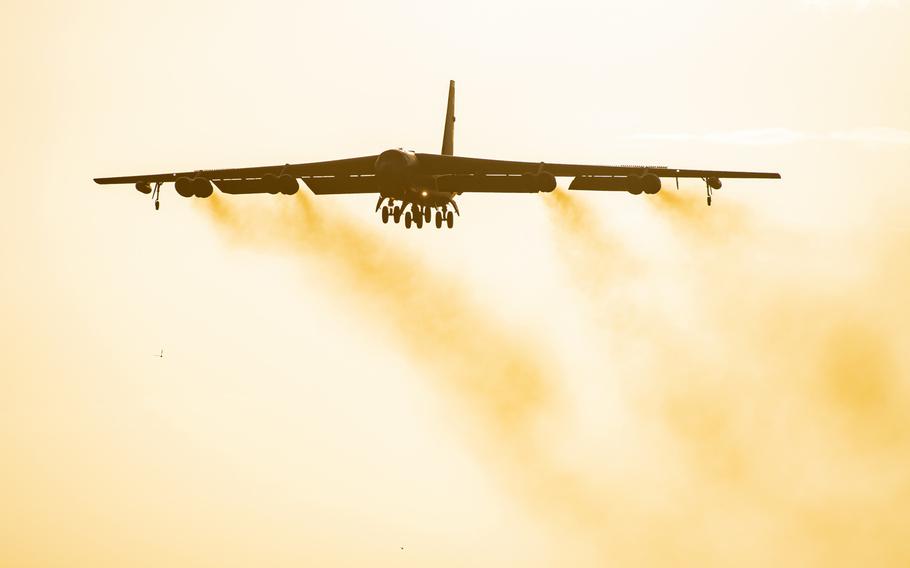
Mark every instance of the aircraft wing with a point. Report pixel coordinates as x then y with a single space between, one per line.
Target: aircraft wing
433 164
454 174
346 167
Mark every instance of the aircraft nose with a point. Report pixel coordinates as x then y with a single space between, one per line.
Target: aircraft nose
390 162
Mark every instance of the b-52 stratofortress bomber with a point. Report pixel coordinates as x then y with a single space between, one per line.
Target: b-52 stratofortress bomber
421 188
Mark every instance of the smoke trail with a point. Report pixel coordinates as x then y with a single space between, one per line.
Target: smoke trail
786 415
688 212
794 399
498 374
597 260
435 318
773 422
593 254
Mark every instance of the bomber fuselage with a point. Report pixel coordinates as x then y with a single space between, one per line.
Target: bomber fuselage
399 177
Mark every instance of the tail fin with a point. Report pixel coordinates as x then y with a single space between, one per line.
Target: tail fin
448 135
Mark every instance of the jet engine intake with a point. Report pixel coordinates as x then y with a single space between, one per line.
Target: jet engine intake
543 181
546 182
287 184
270 183
650 183
202 187
184 187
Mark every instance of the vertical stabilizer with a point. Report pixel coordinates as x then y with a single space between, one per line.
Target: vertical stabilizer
448 135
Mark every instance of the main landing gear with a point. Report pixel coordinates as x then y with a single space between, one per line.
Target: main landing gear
417 215
392 212
443 216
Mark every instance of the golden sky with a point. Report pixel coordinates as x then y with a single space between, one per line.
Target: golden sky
562 379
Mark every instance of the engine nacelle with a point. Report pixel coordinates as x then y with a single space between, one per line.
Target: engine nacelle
144 187
270 183
650 183
288 185
713 183
544 181
185 187
202 187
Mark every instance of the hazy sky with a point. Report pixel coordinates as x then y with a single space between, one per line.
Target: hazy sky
559 380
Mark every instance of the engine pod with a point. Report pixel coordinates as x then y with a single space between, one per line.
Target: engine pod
185 187
288 185
202 187
543 181
270 183
650 183
546 182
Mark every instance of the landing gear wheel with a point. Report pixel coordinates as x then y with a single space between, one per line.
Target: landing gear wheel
407 219
438 220
418 218
157 205
427 214
397 214
450 219
385 214
709 201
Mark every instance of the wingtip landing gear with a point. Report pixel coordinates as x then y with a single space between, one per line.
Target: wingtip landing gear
156 193
711 183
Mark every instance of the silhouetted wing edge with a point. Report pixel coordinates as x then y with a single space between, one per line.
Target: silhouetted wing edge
342 185
345 167
435 164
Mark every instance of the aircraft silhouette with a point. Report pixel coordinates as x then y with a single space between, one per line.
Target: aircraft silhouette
414 184
160 355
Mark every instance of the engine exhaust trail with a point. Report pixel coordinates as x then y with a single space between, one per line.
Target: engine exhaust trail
500 372
597 261
791 401
772 393
498 375
687 211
